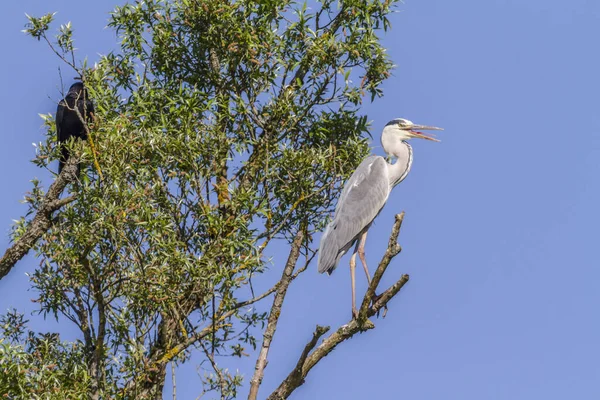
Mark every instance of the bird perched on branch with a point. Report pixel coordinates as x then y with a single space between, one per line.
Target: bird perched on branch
72 115
364 195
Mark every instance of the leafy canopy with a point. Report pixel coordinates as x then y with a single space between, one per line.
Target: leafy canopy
221 128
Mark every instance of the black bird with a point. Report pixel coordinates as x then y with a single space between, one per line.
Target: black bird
68 123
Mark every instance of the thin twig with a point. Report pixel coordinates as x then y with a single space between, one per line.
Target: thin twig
215 367
62 57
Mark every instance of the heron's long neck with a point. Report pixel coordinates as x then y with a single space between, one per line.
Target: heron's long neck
399 170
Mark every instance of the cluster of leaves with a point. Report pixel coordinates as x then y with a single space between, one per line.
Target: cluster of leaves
39 366
221 126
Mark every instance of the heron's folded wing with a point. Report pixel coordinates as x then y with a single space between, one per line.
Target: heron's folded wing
364 195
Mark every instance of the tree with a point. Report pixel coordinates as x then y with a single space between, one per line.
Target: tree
221 128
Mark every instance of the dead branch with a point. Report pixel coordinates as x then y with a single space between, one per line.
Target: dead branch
282 287
43 218
307 359
295 378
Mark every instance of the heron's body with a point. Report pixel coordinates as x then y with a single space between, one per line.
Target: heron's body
68 123
364 195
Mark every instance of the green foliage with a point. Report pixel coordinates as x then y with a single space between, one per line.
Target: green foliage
37 27
39 366
220 128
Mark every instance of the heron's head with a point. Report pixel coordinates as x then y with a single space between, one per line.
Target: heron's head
404 129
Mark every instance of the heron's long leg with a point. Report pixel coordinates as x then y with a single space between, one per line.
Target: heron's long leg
352 279
361 254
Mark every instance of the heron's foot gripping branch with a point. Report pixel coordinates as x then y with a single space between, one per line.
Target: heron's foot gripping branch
374 300
371 305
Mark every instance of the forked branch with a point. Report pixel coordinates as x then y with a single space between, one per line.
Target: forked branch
309 359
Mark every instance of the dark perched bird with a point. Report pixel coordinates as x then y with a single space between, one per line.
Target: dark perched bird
68 123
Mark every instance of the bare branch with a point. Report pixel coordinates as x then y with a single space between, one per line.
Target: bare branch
173 380
295 378
282 287
62 57
307 361
43 219
392 251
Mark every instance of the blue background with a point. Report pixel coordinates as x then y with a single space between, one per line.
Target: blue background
501 231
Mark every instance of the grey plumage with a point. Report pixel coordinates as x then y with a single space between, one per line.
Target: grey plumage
363 197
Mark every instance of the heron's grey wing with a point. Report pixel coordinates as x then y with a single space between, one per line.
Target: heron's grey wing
364 195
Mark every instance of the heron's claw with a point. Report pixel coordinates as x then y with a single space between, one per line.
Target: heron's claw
354 313
374 299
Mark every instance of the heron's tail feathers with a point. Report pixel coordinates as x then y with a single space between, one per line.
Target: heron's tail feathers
327 267
329 254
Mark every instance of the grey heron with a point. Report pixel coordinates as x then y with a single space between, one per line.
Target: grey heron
364 195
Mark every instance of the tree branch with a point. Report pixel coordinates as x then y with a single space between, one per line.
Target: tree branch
295 378
392 251
307 361
43 218
282 287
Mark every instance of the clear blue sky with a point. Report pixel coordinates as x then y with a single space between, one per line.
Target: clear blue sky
501 231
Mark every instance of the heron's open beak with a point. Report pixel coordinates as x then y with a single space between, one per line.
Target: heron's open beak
414 129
